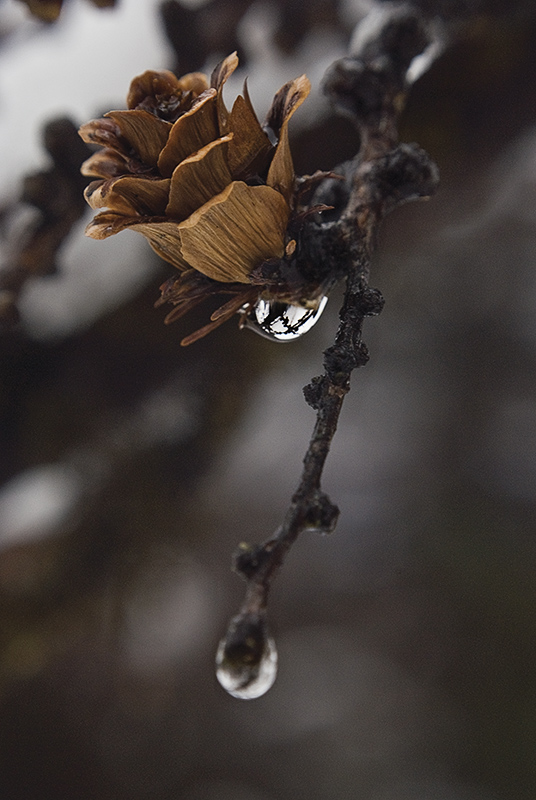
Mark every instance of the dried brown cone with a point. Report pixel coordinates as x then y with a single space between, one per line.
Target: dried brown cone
212 190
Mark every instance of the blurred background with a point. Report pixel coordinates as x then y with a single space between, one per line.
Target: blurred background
131 467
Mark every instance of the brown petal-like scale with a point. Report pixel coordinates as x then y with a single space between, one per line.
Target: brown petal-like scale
145 196
286 101
107 223
195 129
223 71
217 80
250 147
152 83
146 133
193 82
105 163
281 172
106 133
97 195
198 178
165 239
235 231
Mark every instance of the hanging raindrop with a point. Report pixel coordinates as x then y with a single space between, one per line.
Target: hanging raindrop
281 321
246 660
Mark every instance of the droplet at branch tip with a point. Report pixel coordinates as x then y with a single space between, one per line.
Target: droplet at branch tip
246 659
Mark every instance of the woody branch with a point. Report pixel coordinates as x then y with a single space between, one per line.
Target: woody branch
370 87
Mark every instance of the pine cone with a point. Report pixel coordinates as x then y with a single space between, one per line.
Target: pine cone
212 190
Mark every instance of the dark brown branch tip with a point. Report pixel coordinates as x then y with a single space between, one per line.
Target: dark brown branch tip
358 90
404 37
314 390
341 359
371 302
248 559
321 514
368 85
406 173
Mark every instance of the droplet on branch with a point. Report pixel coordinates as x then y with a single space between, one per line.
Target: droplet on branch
246 660
281 321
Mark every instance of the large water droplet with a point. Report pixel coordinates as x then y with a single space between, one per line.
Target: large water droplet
282 321
246 660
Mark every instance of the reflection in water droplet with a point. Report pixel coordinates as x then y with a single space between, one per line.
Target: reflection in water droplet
281 321
246 682
246 661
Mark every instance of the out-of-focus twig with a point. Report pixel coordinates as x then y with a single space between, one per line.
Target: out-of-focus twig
196 33
49 10
56 194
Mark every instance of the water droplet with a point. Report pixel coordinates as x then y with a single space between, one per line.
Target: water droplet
282 321
246 661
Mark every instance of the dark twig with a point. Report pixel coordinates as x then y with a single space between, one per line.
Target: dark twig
56 196
371 88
